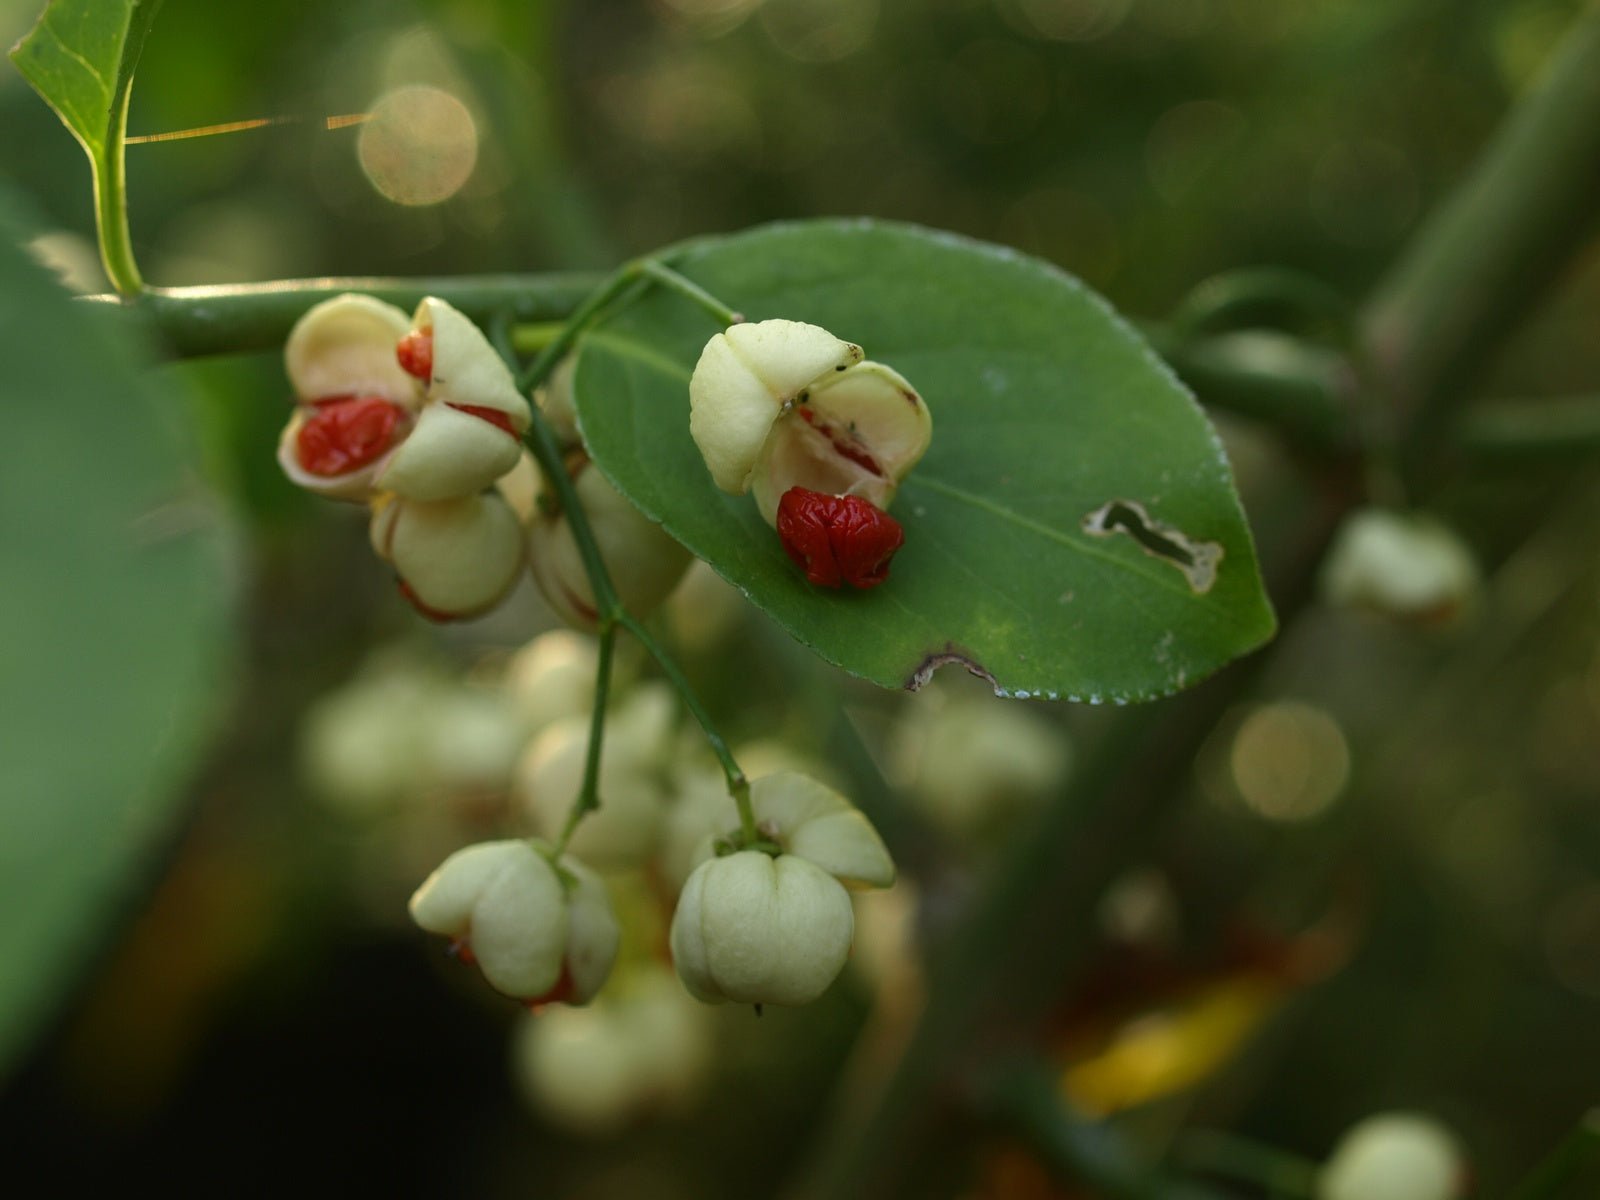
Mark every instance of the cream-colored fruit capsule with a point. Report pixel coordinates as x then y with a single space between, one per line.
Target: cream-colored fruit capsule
856 432
537 933
746 378
1394 1156
760 930
810 820
1404 565
343 349
458 558
644 562
459 446
552 677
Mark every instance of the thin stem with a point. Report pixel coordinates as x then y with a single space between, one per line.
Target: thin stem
593 305
610 612
532 337
1577 1151
111 203
738 785
650 268
588 798
626 277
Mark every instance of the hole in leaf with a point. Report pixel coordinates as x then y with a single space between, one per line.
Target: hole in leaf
1197 560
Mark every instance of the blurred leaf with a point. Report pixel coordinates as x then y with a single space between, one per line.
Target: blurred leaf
115 601
1049 415
80 58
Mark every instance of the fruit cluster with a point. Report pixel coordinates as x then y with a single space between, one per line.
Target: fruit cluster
421 420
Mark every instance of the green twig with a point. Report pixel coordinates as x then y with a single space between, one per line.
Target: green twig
738 785
1577 1151
195 322
609 610
588 798
649 268
632 275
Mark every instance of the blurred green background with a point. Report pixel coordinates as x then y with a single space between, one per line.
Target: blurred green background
258 1016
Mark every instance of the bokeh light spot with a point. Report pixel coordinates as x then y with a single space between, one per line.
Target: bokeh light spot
1289 761
420 146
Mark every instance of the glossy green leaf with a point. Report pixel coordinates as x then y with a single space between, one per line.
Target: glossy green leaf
80 57
1050 416
115 598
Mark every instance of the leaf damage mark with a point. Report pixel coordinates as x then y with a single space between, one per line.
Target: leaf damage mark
1197 560
944 658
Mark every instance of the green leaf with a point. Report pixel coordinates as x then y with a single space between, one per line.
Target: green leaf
80 57
1049 415
115 602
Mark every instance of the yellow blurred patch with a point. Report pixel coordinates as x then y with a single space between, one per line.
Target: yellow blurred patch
1174 1048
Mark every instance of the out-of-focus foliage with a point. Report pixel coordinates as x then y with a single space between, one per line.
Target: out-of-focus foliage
115 600
1422 803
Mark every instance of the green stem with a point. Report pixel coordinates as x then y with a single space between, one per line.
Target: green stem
110 165
1579 1149
738 785
196 322
627 277
1304 390
650 268
588 798
608 607
1478 267
111 204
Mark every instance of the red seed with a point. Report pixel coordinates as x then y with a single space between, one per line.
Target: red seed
415 354
344 435
494 416
838 539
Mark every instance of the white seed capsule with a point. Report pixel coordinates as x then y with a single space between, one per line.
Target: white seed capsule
536 935
745 378
447 455
457 558
855 433
760 930
346 347
466 370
